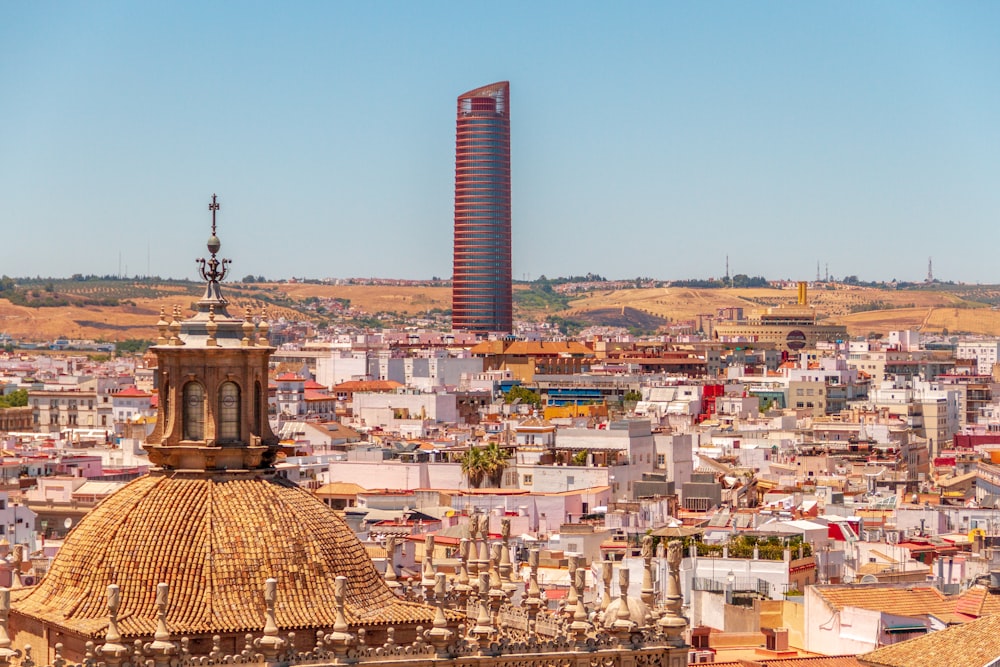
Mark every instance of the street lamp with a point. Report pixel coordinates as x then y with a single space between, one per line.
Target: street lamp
730 580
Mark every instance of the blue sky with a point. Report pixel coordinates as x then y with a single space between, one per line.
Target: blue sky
649 139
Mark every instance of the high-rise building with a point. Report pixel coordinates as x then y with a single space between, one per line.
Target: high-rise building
481 282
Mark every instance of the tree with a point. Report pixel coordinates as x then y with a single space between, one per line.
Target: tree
15 399
484 464
523 393
473 466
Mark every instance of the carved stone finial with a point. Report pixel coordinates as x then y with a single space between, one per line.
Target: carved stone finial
427 569
390 562
163 328
439 636
212 327
270 644
161 648
175 327
483 631
248 329
672 623
113 651
340 639
263 327
607 574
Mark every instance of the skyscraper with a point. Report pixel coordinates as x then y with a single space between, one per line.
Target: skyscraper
481 281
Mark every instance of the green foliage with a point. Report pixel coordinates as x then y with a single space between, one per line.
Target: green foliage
15 399
132 346
771 547
484 464
567 325
580 458
632 395
523 393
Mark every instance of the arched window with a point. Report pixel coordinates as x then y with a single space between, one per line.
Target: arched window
194 411
257 399
229 411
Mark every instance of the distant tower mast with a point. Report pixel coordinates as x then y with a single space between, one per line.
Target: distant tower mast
817 270
930 269
727 268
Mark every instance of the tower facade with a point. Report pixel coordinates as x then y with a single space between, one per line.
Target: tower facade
481 279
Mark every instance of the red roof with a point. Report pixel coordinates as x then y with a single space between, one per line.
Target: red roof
288 377
132 392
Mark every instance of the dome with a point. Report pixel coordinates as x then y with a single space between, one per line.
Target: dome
638 612
214 539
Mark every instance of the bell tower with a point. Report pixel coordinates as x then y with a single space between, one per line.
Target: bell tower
213 382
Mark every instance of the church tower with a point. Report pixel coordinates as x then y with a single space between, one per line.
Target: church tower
212 522
213 383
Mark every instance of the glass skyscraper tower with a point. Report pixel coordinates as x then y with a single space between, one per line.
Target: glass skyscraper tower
481 281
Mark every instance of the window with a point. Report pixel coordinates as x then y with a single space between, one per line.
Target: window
229 412
526 480
194 411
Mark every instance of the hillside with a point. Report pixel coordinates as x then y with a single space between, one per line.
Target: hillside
114 310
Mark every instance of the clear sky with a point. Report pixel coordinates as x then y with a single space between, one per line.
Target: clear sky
649 139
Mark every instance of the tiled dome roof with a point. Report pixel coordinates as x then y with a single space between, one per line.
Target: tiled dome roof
215 540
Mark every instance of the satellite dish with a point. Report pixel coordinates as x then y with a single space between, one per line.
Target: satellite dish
869 579
68 522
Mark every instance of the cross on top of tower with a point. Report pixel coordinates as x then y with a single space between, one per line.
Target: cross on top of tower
213 207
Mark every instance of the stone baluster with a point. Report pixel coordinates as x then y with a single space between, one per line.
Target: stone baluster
439 636
672 623
270 645
113 651
6 652
161 649
340 639
27 660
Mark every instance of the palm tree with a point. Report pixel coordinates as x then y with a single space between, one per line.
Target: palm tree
473 466
484 464
495 463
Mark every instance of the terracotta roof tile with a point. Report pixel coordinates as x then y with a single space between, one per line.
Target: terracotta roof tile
215 540
975 643
916 601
